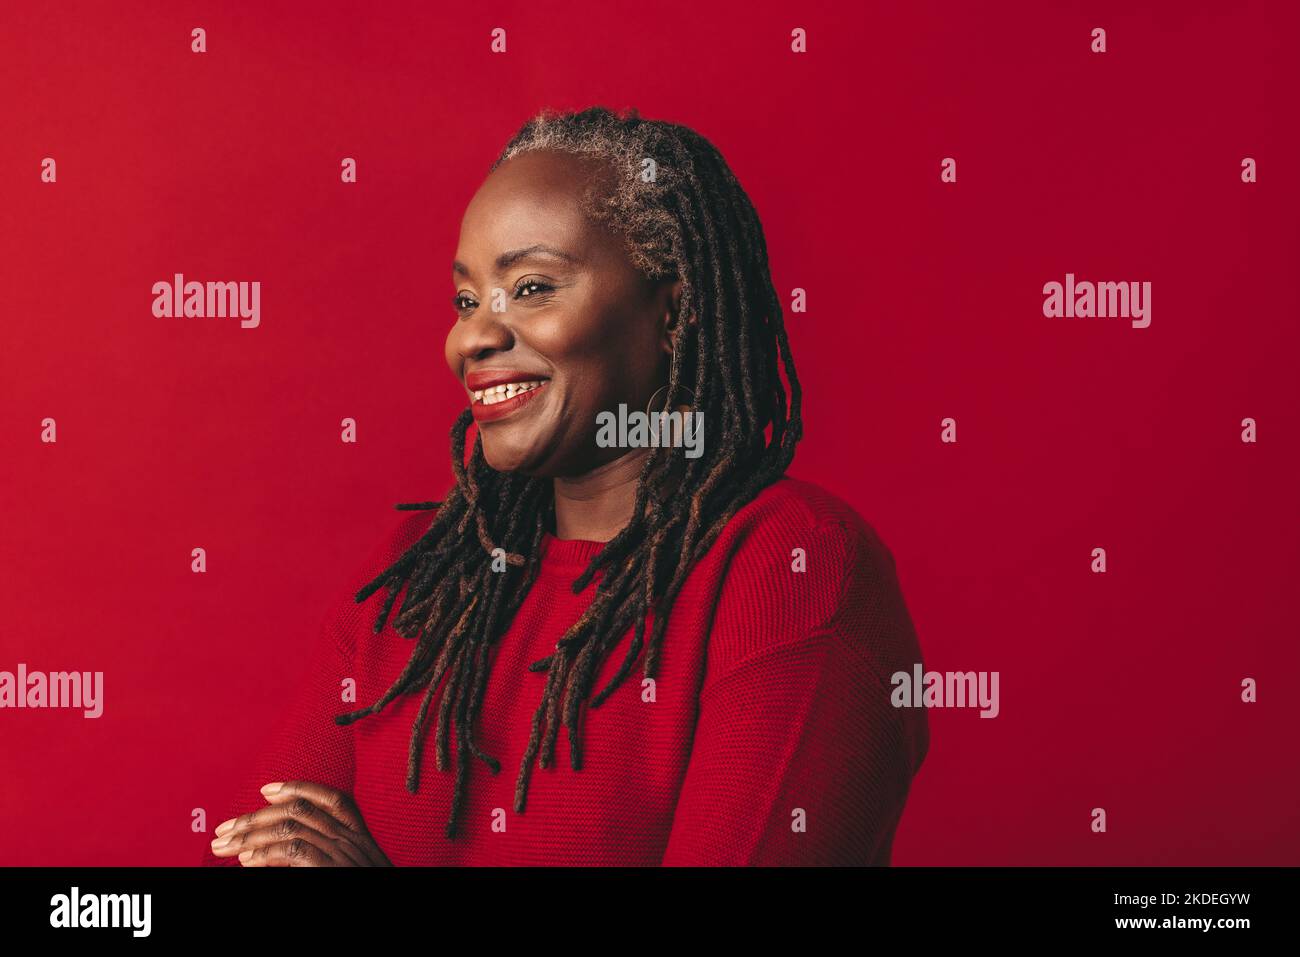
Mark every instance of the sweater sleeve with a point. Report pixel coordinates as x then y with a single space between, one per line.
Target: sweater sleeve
798 756
304 743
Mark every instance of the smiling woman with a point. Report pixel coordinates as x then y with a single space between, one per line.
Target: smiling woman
765 614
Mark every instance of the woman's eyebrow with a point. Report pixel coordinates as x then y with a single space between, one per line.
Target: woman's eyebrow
508 259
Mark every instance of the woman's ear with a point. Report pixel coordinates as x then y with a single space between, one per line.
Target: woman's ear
673 323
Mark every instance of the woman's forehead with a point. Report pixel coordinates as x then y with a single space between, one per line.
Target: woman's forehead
534 198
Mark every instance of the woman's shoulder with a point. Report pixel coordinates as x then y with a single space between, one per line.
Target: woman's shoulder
801 567
801 557
793 509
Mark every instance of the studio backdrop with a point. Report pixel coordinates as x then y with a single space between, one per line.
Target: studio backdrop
1036 262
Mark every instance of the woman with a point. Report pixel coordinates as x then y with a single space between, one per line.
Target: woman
607 261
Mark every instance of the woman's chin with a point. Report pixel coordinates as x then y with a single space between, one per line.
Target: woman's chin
506 460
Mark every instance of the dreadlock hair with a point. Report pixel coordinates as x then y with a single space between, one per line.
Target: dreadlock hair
690 220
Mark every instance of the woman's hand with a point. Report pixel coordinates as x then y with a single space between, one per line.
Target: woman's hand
307 825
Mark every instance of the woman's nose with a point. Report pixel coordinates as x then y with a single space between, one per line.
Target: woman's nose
484 331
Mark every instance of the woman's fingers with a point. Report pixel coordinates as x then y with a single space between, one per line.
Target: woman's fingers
297 820
336 804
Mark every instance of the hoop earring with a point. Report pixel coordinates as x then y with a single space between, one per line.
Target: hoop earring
661 389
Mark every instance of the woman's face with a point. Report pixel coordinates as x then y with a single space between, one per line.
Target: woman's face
571 313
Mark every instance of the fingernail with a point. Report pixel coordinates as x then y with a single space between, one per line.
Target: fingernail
224 826
220 843
272 788
244 856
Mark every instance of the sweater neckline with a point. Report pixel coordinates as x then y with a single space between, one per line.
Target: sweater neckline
569 551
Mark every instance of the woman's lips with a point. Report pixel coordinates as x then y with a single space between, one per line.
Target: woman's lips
499 410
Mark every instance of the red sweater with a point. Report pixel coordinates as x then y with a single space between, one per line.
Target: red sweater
773 697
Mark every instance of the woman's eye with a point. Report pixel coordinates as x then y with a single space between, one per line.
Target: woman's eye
462 302
531 287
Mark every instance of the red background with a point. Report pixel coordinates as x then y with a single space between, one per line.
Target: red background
1119 690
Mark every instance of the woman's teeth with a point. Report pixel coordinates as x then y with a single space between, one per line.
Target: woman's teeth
499 393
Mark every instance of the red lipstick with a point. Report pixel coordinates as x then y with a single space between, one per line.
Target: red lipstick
488 379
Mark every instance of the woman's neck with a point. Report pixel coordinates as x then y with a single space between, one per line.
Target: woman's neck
598 505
